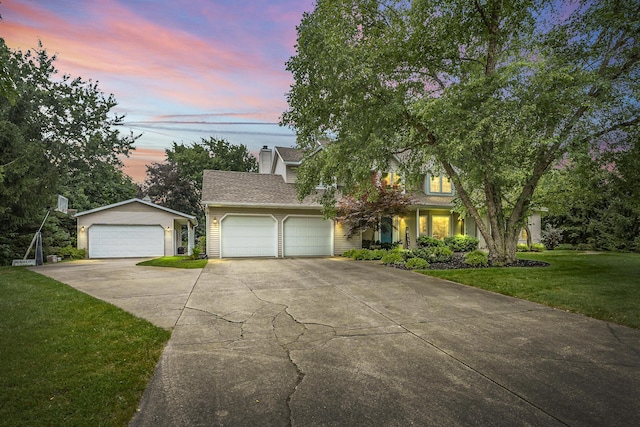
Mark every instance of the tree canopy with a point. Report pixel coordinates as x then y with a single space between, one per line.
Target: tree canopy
495 91
57 136
177 182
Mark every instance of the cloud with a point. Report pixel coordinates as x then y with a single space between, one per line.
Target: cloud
136 164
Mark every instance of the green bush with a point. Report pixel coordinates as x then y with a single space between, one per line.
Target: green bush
416 264
566 247
521 247
67 252
432 254
195 253
551 237
362 255
429 242
476 259
537 247
441 254
460 243
349 253
378 253
393 258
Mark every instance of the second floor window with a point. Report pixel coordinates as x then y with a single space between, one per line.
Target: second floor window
439 184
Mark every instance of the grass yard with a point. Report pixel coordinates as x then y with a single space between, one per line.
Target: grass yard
175 262
605 286
68 358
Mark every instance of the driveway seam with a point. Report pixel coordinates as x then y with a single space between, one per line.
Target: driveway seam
465 364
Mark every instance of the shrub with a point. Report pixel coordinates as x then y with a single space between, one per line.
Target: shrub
551 237
349 253
429 242
389 246
378 253
440 254
432 254
521 247
195 253
566 247
537 247
362 255
416 264
462 243
67 252
393 258
476 259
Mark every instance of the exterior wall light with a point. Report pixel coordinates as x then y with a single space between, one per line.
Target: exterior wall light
215 220
82 228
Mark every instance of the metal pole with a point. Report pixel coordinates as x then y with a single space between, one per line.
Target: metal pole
36 235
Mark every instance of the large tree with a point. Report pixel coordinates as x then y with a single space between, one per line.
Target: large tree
496 91
57 135
177 182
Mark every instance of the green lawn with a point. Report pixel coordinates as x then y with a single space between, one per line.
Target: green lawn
68 358
175 262
604 285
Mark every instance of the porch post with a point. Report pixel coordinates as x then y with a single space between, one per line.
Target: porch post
417 224
190 237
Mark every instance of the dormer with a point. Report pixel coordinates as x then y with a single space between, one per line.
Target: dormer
285 163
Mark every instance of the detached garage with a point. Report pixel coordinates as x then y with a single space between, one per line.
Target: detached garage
134 229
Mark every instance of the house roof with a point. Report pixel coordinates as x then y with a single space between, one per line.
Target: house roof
144 202
289 155
250 189
428 200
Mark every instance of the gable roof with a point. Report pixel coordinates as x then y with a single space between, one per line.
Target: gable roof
289 155
250 189
192 218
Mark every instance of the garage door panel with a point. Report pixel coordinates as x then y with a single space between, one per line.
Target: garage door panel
304 236
248 236
126 241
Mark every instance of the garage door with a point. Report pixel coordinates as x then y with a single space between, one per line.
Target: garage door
126 241
307 236
248 236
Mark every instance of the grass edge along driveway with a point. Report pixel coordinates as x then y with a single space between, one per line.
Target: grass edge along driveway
603 285
68 358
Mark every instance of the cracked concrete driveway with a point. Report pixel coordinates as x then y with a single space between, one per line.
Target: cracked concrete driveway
318 342
312 342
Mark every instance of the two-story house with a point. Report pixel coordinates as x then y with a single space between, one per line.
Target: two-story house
252 214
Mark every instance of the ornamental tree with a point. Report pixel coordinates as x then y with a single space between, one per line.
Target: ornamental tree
365 211
495 91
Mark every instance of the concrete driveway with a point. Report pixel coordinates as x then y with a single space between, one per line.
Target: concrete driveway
312 342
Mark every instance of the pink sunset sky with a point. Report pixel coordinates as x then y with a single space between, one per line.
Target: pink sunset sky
180 70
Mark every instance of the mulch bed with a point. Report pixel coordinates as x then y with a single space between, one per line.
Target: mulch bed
457 262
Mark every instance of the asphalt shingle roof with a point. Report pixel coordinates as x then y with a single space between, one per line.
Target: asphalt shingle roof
289 155
250 189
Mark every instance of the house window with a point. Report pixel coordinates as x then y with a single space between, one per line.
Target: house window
423 225
440 226
440 184
391 178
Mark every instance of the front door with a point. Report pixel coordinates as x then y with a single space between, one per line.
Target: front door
386 230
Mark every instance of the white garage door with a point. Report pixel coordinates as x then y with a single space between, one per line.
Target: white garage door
307 236
126 241
249 236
